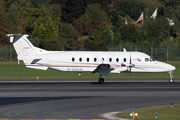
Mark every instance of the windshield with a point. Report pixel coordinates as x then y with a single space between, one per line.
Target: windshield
149 59
152 59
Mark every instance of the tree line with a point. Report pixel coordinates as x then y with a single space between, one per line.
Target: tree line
59 24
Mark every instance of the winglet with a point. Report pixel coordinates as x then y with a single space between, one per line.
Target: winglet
124 50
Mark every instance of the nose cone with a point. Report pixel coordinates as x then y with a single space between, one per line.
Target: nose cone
171 68
165 66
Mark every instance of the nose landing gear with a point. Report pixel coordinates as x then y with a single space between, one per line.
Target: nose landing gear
171 80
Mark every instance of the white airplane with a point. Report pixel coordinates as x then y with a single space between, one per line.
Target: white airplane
86 61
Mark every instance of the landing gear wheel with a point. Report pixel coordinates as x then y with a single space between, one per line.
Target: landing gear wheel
101 80
171 80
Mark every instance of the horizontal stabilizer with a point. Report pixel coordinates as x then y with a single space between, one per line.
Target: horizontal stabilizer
36 66
12 36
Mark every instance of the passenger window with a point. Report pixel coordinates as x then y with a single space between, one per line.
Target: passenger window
80 59
117 59
95 59
124 59
110 59
102 59
146 59
87 59
73 59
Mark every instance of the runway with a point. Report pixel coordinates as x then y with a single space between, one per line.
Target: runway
82 99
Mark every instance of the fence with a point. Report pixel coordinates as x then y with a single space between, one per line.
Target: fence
168 53
7 53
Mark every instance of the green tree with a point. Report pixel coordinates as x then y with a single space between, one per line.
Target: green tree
170 7
94 22
39 22
7 4
14 21
156 30
44 31
129 33
13 8
91 45
94 12
31 3
108 36
172 12
40 3
56 13
117 37
133 8
82 27
67 39
177 20
3 30
73 9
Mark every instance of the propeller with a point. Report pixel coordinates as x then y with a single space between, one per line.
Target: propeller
130 65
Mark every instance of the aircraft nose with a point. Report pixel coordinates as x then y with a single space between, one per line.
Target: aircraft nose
166 66
171 68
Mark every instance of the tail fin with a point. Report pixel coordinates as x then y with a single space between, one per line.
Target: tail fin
22 45
25 50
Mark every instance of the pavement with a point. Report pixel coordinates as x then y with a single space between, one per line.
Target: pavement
84 98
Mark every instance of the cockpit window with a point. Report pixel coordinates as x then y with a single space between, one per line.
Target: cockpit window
152 59
146 59
149 59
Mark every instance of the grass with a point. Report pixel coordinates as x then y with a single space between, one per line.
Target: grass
163 113
11 70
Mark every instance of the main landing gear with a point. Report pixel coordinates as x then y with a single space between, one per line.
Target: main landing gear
171 80
101 80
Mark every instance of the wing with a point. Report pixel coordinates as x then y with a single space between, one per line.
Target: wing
103 68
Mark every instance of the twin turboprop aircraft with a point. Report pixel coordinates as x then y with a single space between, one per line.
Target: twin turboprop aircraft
86 61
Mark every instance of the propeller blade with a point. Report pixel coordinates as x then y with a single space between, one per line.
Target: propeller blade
130 65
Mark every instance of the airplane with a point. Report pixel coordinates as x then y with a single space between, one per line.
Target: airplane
86 61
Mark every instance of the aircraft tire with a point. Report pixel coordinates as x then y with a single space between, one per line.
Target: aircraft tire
171 80
101 80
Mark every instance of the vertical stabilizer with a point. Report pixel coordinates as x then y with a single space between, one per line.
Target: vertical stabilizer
26 51
22 45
